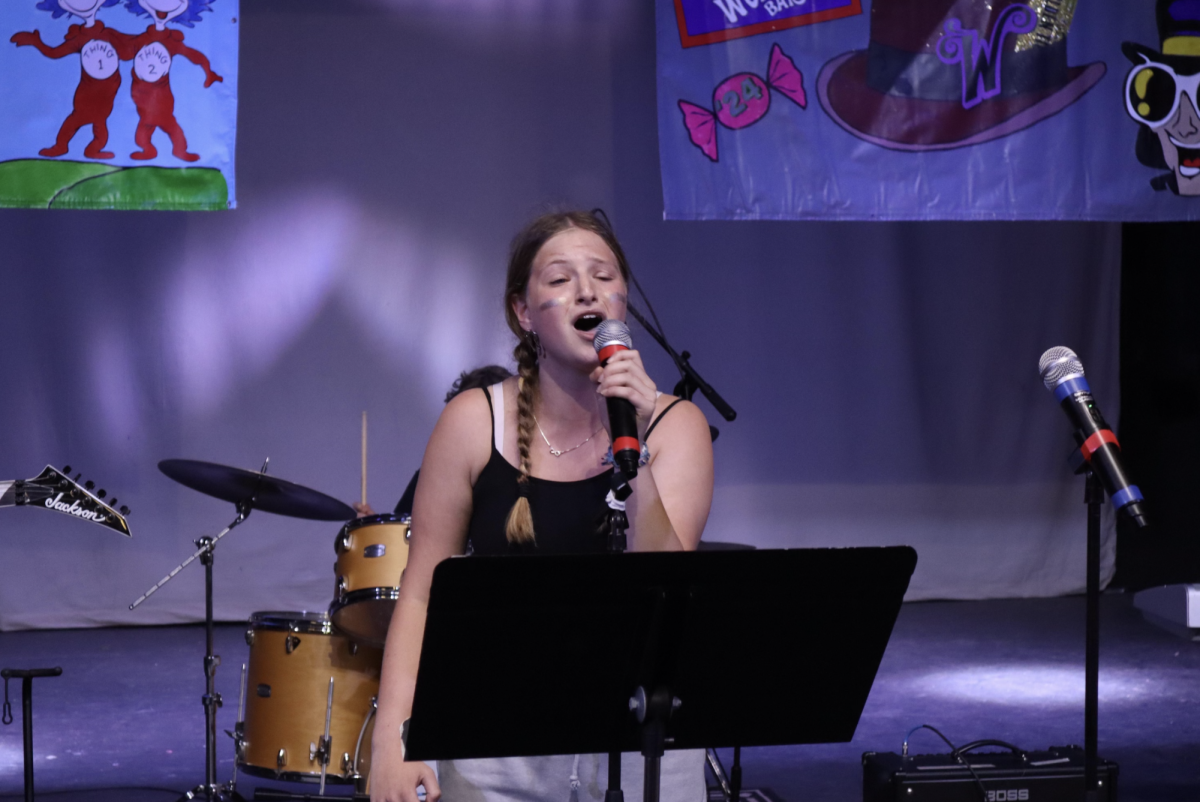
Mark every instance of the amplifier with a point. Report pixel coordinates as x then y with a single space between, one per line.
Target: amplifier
1050 776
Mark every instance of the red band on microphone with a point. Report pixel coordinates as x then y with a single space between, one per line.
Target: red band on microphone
1093 443
607 351
626 444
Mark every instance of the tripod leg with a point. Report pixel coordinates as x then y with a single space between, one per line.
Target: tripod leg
735 775
718 770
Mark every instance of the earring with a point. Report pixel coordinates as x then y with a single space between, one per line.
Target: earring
535 342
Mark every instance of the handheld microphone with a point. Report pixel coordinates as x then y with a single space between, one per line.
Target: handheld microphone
613 336
1062 373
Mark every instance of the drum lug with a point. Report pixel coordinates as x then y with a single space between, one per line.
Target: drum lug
343 543
347 768
340 588
290 643
353 648
281 759
250 637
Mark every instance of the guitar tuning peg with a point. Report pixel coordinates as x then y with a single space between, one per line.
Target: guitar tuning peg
78 476
89 484
124 510
102 493
67 470
112 502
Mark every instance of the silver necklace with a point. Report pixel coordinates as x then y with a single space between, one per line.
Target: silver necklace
558 452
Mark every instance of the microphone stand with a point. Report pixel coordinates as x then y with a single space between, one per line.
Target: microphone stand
655 708
618 522
691 381
1093 497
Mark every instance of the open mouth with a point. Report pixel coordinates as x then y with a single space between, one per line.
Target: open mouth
1189 162
161 14
588 322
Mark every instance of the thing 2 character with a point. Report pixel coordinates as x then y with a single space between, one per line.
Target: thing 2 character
154 51
100 51
1161 93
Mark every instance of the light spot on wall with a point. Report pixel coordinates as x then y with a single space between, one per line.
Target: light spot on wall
233 307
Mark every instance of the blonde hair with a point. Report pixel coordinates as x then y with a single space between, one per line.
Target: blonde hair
525 246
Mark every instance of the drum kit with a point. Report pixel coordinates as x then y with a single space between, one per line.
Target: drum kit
309 689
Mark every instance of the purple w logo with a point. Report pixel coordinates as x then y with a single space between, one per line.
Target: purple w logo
979 59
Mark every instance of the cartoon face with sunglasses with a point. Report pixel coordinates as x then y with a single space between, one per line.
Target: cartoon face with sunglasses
1162 92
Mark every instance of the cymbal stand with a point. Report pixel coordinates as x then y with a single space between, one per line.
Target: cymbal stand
209 790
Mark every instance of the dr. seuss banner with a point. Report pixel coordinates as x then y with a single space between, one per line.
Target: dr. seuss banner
929 109
118 104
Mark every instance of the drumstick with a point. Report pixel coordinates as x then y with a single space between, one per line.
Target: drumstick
364 458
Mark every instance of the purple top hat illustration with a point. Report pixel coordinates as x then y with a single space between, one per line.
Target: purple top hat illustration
941 74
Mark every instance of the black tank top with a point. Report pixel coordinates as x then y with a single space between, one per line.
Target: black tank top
568 517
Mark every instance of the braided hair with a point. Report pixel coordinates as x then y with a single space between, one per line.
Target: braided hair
525 246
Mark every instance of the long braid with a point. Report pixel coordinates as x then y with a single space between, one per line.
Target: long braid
525 246
519 526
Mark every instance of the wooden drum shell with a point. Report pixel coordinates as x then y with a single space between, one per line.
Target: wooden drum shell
292 657
372 554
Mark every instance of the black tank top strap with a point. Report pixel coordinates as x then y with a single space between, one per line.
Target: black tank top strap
491 411
661 415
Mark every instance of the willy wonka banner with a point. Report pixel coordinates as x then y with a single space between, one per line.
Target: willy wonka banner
118 104
929 109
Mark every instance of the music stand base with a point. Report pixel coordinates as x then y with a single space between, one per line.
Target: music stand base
208 792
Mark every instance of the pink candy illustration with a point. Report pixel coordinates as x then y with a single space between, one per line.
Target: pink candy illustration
741 100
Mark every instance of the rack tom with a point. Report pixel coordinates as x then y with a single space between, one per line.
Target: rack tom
293 656
371 555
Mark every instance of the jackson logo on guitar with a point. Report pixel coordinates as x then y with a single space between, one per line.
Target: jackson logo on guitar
55 490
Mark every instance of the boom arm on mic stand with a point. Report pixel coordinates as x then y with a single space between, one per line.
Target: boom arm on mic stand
691 381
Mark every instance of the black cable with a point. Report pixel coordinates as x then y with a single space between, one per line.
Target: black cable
599 213
657 335
954 753
649 305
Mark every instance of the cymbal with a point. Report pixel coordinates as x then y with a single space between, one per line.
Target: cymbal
265 493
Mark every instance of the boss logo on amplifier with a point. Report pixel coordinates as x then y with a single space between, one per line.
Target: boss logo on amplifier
1011 795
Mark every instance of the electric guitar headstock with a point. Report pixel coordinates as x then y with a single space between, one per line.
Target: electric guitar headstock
56 490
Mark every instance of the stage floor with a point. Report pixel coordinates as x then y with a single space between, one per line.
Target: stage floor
124 721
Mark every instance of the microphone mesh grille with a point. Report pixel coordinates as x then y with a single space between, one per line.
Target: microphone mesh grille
612 332
1059 363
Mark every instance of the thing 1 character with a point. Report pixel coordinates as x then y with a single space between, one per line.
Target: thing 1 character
100 51
153 53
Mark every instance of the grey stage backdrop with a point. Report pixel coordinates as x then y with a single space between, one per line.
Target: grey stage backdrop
885 375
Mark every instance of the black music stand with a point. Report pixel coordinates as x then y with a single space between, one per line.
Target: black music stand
536 655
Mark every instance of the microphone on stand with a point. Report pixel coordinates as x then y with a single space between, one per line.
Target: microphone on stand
612 336
1062 373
